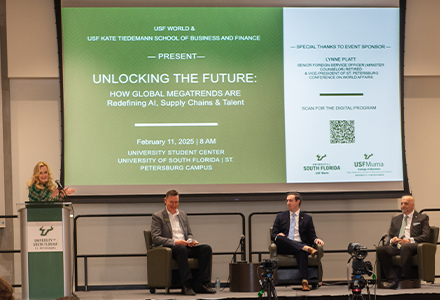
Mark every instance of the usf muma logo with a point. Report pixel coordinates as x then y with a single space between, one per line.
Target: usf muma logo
319 157
367 156
44 231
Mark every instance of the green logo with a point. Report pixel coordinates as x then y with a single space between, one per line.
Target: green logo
44 232
321 157
367 156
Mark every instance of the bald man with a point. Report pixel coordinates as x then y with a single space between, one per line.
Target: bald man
406 231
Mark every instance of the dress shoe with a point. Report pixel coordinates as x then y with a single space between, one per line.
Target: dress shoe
204 289
393 285
312 251
188 291
305 286
210 289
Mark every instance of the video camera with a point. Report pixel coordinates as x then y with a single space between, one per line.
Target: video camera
357 250
360 267
359 253
269 265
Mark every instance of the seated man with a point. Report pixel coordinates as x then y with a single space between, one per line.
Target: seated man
406 231
294 233
170 228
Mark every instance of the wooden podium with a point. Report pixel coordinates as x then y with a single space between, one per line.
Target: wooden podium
45 250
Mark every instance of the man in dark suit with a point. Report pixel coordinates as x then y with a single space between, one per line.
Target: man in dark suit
170 228
294 233
406 231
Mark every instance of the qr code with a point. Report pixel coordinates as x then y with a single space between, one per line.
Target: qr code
342 132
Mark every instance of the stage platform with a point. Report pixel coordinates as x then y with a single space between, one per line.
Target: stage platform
333 292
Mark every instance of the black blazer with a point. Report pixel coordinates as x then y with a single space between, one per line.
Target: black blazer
419 227
305 227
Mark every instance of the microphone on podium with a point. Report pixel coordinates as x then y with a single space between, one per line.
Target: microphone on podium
60 187
62 193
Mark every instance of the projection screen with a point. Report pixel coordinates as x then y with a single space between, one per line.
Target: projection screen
232 98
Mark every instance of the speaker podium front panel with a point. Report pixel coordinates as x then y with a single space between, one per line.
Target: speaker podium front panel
45 250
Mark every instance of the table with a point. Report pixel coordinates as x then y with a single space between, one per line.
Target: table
244 277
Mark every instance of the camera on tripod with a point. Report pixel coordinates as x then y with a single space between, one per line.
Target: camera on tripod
359 253
268 265
360 267
267 284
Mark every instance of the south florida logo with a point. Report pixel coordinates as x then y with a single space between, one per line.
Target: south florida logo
44 231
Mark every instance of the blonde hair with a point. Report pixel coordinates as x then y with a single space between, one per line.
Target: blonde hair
6 290
35 177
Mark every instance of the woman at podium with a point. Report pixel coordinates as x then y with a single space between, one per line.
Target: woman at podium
42 188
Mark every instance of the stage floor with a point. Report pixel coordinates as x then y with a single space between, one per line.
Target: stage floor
427 291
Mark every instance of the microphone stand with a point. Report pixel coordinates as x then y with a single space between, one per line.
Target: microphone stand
61 191
243 248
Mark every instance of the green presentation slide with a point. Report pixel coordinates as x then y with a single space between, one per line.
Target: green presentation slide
159 96
232 99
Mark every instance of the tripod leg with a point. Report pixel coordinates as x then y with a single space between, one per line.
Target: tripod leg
275 297
269 289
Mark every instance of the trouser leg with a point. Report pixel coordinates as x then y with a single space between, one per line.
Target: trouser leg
406 253
287 246
303 264
204 254
180 255
384 254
